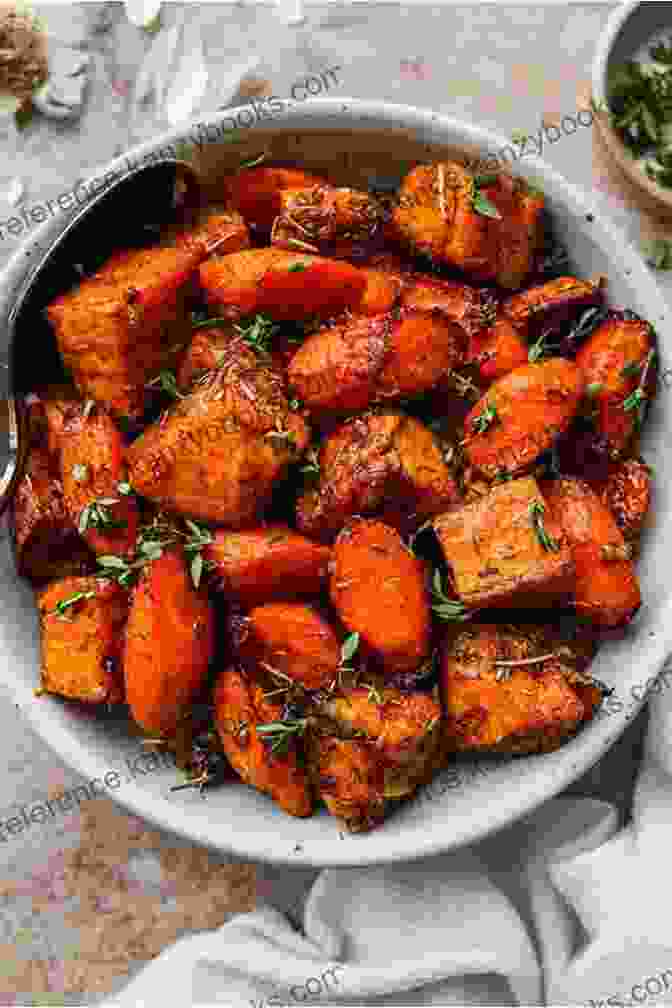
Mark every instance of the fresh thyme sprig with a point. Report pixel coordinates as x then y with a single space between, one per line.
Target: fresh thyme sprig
97 515
537 511
61 608
479 201
166 382
448 609
485 419
258 332
278 734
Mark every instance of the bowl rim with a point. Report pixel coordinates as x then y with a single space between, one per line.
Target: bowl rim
322 114
616 23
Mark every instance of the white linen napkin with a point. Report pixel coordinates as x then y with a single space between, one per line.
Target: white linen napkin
563 908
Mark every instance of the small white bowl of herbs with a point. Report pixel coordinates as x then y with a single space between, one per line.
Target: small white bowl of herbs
632 92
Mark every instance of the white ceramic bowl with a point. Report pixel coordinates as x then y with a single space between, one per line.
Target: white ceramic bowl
459 806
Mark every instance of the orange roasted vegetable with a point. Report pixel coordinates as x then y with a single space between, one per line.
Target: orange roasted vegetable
81 622
218 452
402 728
47 542
497 350
216 232
350 781
118 328
504 549
617 362
488 226
521 415
335 221
347 365
284 285
496 699
383 463
378 590
93 467
266 564
292 639
551 302
606 592
266 759
627 493
169 645
256 192
212 347
381 292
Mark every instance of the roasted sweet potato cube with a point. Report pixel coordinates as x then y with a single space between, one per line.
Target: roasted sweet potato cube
506 549
606 592
218 452
493 704
46 540
617 362
350 782
627 494
169 644
521 415
119 327
422 348
81 622
551 303
378 590
92 467
284 285
266 564
489 227
327 220
266 760
292 639
212 347
404 729
382 463
216 231
256 192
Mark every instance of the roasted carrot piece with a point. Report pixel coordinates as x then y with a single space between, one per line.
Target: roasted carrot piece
606 592
497 350
92 464
169 644
422 348
269 764
378 590
521 415
471 307
217 231
617 363
81 621
553 301
329 220
293 639
504 549
212 347
266 564
284 285
256 192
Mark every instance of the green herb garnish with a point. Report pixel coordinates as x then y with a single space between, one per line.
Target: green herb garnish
97 515
349 649
448 609
484 420
61 608
538 349
298 267
258 333
280 734
537 511
167 382
479 201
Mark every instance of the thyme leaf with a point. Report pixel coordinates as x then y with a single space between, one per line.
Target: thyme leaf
537 510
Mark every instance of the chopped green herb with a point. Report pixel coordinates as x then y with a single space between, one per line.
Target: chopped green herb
167 383
258 333
374 695
193 546
97 515
298 267
280 734
537 511
295 404
448 609
125 489
479 201
61 608
593 389
252 162
207 323
483 421
349 649
538 349
282 435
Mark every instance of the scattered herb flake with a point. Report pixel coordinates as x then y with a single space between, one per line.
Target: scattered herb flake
484 420
61 608
537 511
258 332
447 609
298 267
280 733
